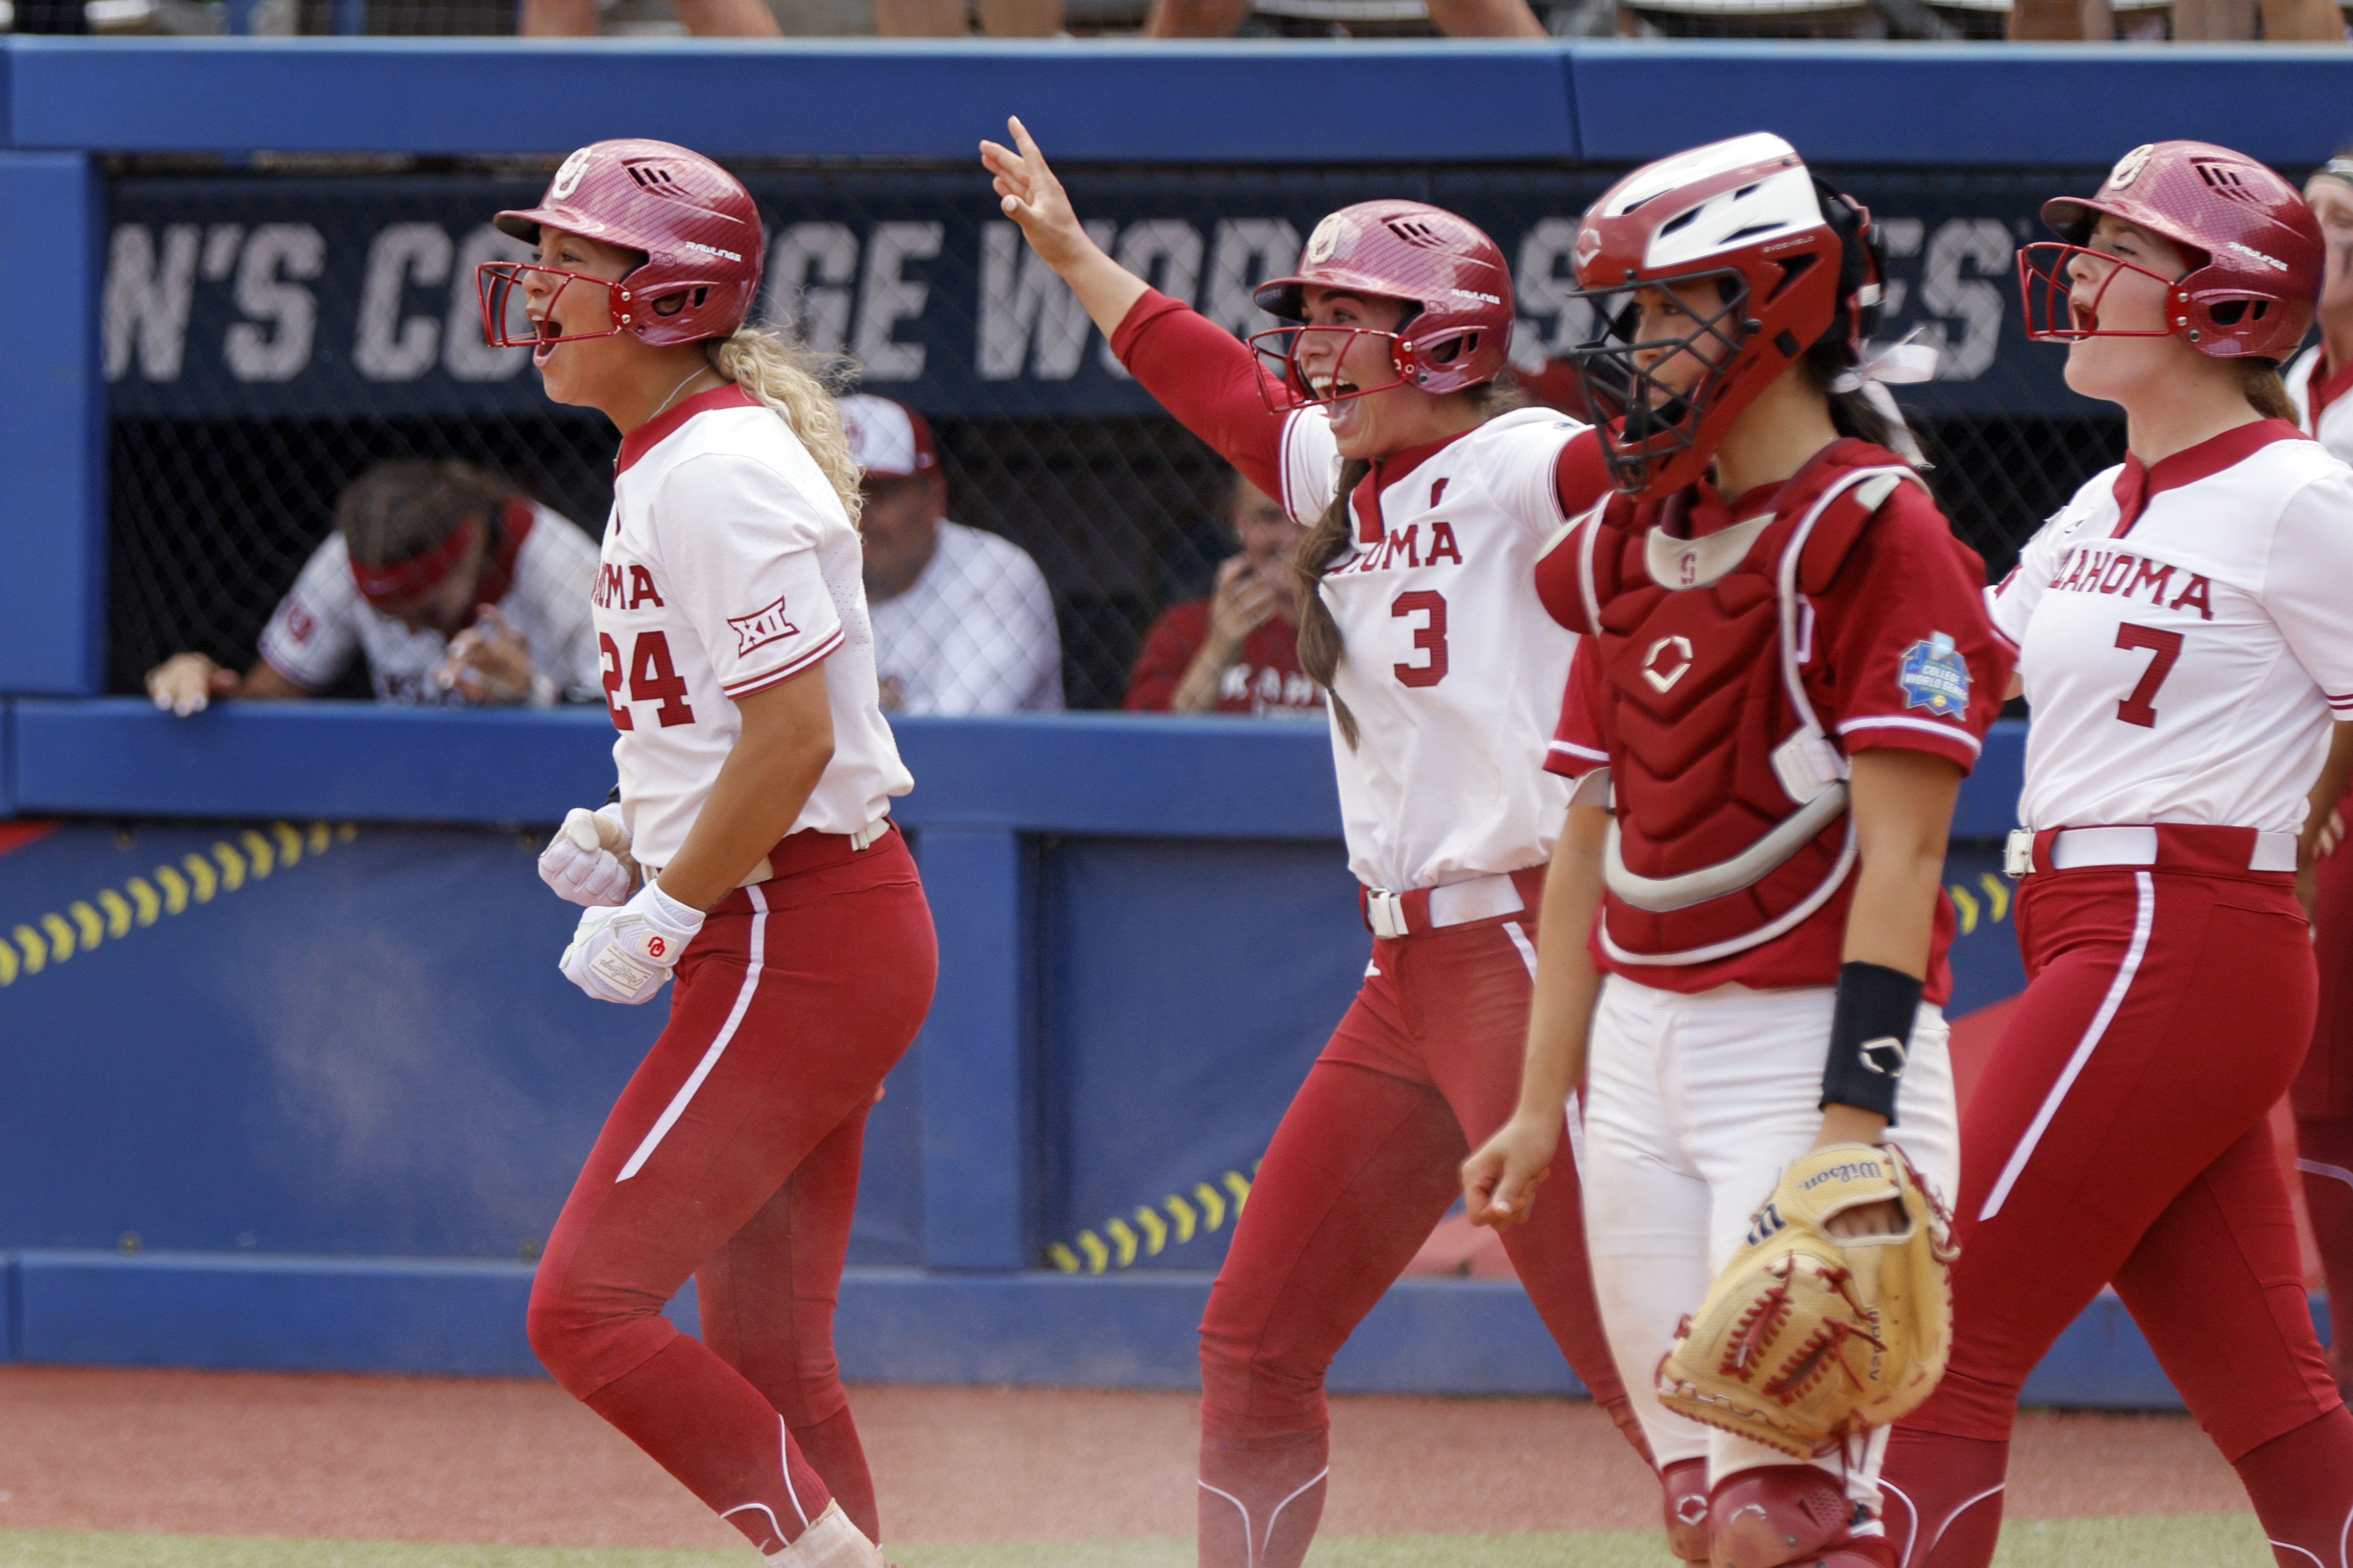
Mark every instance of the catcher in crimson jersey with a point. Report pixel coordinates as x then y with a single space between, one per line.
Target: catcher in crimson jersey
2183 639
750 853
1786 673
1420 619
2320 385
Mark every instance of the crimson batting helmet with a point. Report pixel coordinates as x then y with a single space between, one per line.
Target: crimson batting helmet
1790 261
2253 249
693 221
1452 279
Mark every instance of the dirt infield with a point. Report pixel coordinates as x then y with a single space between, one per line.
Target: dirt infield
519 1463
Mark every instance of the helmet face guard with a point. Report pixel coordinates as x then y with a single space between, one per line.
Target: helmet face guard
2053 314
2251 247
1281 345
503 287
1616 372
1783 264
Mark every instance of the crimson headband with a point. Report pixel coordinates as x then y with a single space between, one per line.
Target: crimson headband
393 581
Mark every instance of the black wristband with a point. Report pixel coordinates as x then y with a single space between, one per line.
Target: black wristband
1871 1036
614 798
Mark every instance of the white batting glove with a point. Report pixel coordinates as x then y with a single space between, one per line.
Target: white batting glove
587 861
626 954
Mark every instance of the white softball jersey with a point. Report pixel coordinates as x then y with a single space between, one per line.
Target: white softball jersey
324 619
2332 424
2184 637
729 565
1453 669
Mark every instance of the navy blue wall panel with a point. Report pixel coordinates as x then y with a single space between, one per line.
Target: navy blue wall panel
368 1051
1186 995
1124 102
1100 773
52 424
1597 100
1965 106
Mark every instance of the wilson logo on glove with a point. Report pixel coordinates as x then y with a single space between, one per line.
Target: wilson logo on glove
1806 1337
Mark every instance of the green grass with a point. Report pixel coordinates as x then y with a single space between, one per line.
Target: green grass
2209 1540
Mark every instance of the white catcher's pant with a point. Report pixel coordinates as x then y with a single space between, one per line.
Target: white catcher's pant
1694 1106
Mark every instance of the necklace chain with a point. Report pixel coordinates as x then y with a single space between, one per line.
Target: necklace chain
681 387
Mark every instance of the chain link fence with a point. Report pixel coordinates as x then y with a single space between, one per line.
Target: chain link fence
272 332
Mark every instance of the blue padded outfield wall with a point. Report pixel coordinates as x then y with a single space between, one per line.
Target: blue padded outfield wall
305 1090
290 1079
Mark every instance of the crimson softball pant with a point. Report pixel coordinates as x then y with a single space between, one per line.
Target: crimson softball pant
2120 1134
731 1156
1366 1161
2323 1098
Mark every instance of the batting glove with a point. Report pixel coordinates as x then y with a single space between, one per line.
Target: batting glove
626 954
587 861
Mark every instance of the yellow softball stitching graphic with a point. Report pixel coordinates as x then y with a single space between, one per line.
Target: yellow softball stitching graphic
110 913
1149 1234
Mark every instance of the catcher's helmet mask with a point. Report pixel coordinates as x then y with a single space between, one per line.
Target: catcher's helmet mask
1747 218
691 225
1446 274
2252 249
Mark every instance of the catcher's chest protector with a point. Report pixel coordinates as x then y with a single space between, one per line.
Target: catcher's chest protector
1731 823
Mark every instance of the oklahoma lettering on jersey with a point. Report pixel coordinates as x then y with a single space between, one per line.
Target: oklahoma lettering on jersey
729 566
1453 669
2183 640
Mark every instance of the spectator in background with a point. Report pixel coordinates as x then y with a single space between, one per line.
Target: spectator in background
1236 651
952 18
455 588
703 18
2194 21
963 622
1455 18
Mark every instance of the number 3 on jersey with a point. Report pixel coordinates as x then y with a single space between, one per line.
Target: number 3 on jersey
1430 638
652 678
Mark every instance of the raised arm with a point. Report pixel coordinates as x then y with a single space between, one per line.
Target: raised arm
1198 370
1032 197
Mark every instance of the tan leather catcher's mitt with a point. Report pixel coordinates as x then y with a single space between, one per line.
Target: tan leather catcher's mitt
1805 1337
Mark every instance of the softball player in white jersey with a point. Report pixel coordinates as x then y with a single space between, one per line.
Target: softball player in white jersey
1420 619
755 778
2183 640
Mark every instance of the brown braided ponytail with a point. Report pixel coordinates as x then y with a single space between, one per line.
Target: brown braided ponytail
1319 643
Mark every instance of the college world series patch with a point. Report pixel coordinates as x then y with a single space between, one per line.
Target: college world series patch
1935 675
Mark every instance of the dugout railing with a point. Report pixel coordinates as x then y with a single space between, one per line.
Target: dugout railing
1114 1031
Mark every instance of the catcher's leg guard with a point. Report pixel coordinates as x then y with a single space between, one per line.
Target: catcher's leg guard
1788 1514
1686 1486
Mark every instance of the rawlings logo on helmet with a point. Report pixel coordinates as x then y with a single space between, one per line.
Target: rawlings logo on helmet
1588 245
568 177
2129 166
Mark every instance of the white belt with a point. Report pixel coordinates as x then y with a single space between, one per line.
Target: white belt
862 839
1453 904
2129 846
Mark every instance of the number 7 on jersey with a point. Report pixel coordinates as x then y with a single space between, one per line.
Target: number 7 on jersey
2166 646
